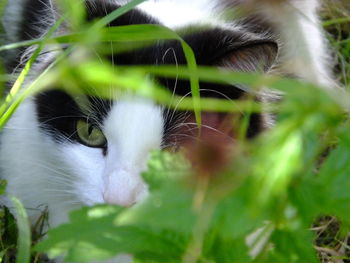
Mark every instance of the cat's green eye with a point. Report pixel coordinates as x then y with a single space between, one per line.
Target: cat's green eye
90 135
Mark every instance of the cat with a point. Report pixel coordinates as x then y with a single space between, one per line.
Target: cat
58 154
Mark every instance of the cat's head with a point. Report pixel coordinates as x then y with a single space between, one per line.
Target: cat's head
101 146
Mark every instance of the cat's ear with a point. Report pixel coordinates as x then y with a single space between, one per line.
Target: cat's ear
251 57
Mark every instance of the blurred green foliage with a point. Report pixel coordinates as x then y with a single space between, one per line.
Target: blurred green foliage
281 188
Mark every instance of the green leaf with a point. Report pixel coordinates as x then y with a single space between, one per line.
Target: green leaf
277 162
167 208
225 250
334 181
310 198
93 235
235 217
292 246
2 254
89 235
165 166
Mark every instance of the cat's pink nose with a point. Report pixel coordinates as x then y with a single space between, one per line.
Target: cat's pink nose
124 188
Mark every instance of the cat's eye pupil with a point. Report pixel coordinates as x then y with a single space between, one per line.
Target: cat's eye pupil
90 135
90 129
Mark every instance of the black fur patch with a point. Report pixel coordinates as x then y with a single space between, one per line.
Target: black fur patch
32 19
58 113
98 9
30 27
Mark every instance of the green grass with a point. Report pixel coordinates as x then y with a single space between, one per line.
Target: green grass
293 180
336 15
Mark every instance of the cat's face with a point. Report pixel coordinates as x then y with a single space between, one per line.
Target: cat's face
104 144
86 150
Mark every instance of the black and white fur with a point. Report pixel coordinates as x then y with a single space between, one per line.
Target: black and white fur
46 165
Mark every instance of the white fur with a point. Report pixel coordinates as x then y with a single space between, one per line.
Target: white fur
304 49
25 157
134 127
11 19
194 12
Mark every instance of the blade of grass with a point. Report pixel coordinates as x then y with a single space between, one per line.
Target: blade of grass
334 21
44 79
24 234
194 81
20 44
2 254
21 97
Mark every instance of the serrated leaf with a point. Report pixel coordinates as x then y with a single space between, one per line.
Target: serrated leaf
93 235
165 166
169 208
292 246
225 250
335 180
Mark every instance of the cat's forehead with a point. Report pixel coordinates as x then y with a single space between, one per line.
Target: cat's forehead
180 13
177 14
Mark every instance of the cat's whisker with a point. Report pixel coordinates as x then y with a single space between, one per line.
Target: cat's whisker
53 169
181 118
176 78
210 128
60 117
59 192
177 135
168 145
50 7
177 105
72 203
224 96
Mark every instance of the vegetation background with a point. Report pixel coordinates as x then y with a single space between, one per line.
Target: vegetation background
293 185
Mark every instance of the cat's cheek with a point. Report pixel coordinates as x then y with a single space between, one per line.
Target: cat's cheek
87 166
